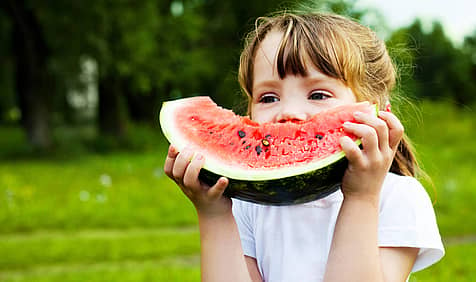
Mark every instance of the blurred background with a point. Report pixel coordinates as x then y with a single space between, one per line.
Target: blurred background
83 196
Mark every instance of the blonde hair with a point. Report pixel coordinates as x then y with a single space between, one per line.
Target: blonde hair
338 47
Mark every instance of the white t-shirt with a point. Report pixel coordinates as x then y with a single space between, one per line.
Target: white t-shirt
292 243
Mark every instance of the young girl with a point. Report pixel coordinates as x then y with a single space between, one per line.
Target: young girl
380 226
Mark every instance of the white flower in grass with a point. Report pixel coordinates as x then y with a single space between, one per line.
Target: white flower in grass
101 198
84 196
105 180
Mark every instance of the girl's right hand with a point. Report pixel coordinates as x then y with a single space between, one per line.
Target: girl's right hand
183 168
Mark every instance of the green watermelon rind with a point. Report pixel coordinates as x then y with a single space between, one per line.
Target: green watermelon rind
291 190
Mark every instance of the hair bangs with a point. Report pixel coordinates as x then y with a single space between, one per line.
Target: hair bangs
290 58
300 46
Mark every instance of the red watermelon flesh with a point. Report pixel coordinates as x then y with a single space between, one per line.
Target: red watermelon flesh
238 141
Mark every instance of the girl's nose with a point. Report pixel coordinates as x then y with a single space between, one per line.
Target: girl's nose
293 114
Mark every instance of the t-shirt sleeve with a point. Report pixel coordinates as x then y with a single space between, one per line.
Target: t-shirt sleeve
243 213
407 219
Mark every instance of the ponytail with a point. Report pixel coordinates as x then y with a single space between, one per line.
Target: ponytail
405 162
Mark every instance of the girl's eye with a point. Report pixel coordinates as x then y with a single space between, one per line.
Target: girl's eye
268 99
319 95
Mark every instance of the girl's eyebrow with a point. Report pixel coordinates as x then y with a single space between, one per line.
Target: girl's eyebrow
271 83
315 79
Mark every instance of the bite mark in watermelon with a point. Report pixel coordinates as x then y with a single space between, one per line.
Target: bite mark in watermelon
267 163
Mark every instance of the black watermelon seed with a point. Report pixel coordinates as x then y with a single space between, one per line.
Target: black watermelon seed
247 147
267 136
265 142
258 149
211 132
243 143
241 133
319 136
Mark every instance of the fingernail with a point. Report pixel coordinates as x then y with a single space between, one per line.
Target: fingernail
222 180
357 114
187 154
199 157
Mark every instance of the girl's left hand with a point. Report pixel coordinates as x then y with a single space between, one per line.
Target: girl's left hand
368 166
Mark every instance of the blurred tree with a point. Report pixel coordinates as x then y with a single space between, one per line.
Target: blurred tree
469 50
119 37
144 52
33 80
125 54
440 70
8 112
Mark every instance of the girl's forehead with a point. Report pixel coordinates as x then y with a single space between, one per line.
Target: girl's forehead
269 60
265 68
267 50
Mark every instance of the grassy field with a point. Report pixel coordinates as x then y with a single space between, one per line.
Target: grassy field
83 216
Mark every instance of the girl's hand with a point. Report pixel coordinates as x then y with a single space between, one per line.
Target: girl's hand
368 166
184 168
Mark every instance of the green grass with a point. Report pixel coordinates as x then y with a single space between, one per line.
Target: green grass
121 271
95 191
95 246
445 139
457 265
75 189
89 214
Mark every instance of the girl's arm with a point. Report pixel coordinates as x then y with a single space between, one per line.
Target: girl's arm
222 257
354 254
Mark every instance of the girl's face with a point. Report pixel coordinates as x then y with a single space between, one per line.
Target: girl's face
296 97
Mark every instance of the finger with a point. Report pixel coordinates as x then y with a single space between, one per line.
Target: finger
190 178
216 191
351 150
181 163
395 128
366 133
170 160
379 125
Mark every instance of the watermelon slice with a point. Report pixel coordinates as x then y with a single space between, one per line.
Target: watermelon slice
268 163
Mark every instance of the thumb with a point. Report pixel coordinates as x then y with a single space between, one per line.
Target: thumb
216 191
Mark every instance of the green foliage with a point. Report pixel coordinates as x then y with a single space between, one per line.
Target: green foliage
432 66
7 100
150 51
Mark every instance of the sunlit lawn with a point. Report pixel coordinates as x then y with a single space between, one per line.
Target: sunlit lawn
82 216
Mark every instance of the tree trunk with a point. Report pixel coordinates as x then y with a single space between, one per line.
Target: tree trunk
143 107
112 117
31 75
